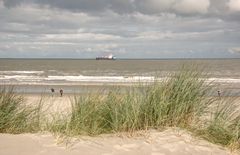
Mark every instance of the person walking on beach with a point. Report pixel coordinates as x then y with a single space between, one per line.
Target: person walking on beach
52 90
61 92
219 93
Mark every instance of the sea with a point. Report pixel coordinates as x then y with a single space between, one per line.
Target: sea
89 75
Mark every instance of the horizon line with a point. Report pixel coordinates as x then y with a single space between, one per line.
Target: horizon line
124 58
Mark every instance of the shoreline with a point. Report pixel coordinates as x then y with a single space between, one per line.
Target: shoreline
105 80
86 88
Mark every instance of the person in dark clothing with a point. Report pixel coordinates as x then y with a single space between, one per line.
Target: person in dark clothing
52 90
219 93
61 92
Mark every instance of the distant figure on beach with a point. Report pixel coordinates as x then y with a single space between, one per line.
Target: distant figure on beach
52 90
219 93
61 92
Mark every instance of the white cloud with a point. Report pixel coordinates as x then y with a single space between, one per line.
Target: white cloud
80 37
234 5
153 19
168 35
235 50
192 6
180 6
1 4
153 35
102 48
41 43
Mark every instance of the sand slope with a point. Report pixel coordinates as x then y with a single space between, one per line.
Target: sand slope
169 142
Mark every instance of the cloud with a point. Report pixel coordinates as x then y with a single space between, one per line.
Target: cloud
103 48
192 6
224 9
153 35
78 5
12 3
122 6
80 37
218 7
173 6
154 6
234 5
178 6
130 28
156 35
235 50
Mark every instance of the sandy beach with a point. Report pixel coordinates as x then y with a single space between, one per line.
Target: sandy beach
168 142
51 104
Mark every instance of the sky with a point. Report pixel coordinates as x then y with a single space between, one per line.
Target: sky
125 28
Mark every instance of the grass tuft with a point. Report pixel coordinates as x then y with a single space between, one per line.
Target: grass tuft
15 116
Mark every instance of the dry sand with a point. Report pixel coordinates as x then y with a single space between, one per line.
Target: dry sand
51 104
168 142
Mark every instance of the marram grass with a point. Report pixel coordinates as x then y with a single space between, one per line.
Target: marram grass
180 101
15 116
176 102
223 127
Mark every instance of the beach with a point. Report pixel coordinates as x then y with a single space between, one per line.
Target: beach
119 77
51 104
103 87
168 142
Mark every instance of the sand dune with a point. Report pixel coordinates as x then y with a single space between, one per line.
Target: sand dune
169 142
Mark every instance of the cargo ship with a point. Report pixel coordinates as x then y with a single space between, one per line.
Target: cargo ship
108 57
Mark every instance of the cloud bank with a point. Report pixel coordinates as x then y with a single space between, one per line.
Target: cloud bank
234 5
127 28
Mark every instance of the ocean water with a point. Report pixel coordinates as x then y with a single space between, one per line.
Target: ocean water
39 75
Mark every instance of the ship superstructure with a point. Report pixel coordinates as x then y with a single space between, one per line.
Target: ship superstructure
108 57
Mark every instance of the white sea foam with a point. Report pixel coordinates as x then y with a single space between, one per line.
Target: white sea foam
22 78
21 72
102 78
98 79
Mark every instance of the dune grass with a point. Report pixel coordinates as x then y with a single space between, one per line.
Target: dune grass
180 101
176 102
223 127
15 116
